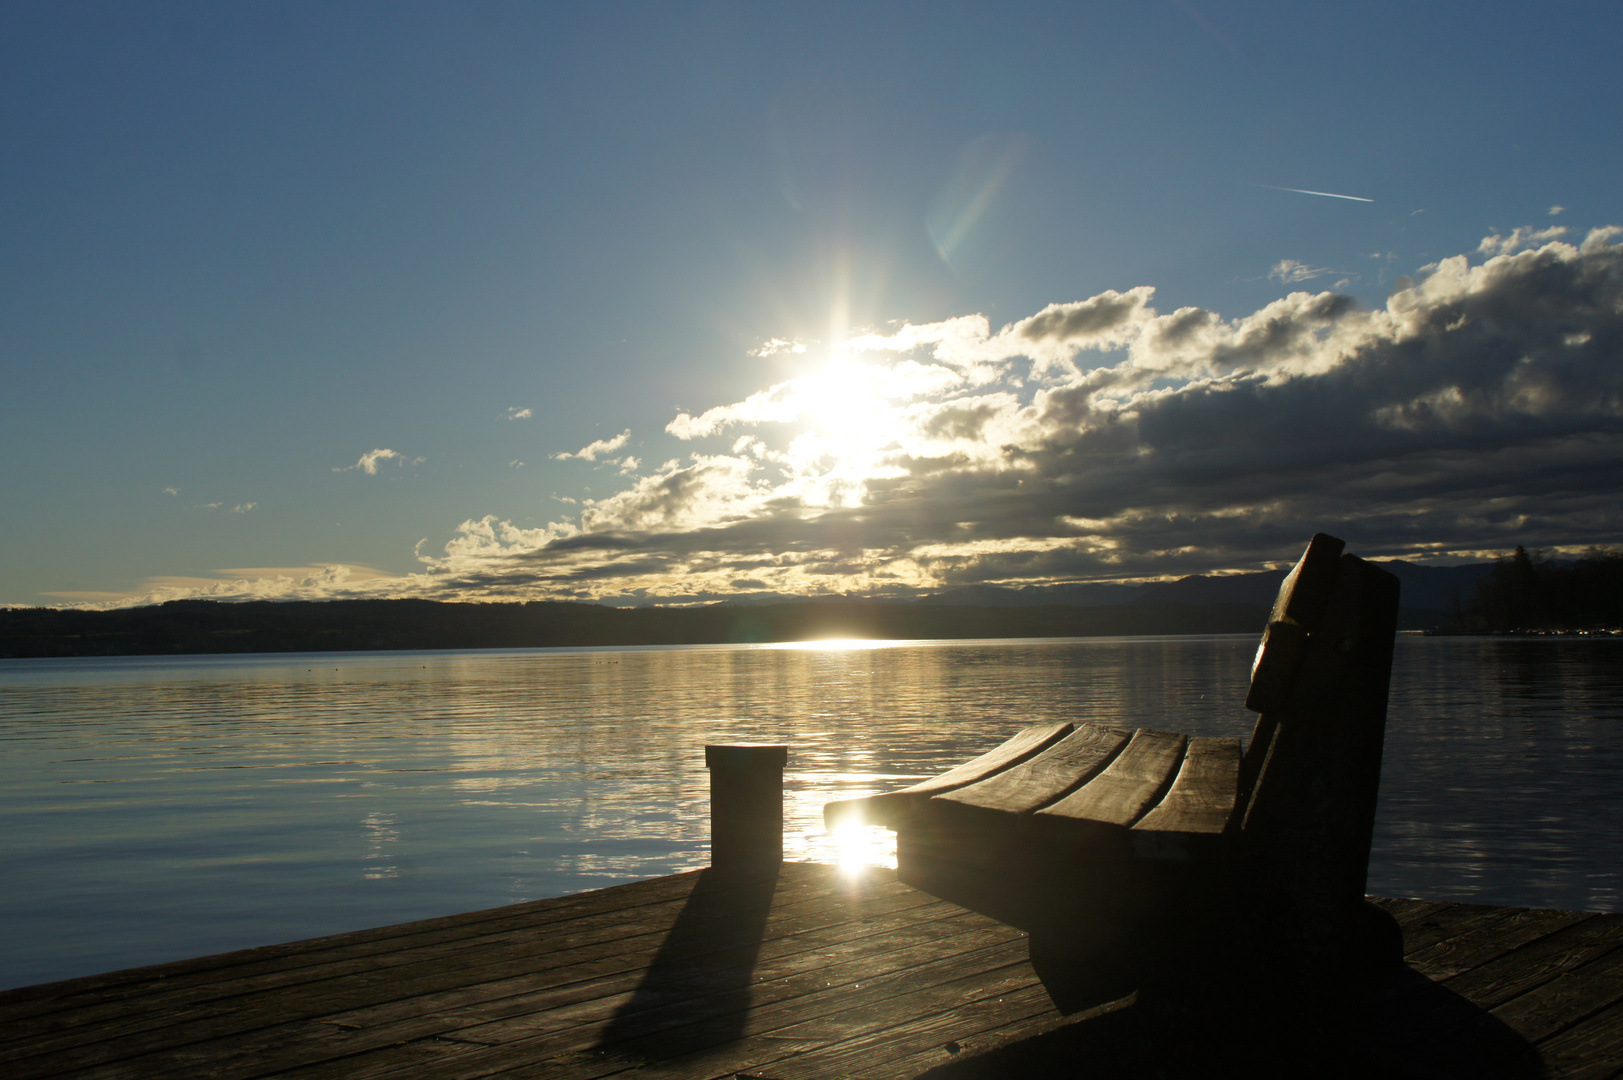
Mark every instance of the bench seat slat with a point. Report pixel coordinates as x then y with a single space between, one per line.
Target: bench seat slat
1201 799
1043 779
893 805
1128 786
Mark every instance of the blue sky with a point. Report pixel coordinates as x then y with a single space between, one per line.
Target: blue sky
327 300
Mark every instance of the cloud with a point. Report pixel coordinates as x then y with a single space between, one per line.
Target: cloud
1480 407
1290 271
240 508
324 582
370 461
591 451
516 413
1554 210
1519 239
776 346
171 491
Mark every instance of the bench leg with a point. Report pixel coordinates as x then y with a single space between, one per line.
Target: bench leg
1080 975
1377 939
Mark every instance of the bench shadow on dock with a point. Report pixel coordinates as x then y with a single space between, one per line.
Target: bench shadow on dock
806 973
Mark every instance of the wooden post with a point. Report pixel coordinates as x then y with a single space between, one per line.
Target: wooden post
746 804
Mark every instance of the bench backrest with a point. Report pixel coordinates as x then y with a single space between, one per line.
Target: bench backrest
1309 778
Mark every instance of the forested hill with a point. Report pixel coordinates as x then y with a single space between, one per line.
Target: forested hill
1529 590
1524 590
207 626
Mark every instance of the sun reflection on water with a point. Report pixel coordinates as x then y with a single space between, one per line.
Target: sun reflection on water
852 846
837 644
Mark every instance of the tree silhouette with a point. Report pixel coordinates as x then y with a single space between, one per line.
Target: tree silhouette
1531 590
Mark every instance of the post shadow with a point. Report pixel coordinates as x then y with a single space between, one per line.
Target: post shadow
696 991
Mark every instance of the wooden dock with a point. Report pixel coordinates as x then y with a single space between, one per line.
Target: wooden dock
812 974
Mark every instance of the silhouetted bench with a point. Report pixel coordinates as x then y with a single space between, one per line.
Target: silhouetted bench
1139 856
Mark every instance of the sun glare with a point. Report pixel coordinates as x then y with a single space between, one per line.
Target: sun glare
842 399
856 848
846 411
835 644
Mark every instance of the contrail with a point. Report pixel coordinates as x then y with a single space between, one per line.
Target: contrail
1326 194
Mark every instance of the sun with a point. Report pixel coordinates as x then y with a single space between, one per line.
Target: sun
847 421
843 399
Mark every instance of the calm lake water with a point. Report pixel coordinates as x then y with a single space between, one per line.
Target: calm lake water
158 808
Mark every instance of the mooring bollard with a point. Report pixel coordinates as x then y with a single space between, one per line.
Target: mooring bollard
746 803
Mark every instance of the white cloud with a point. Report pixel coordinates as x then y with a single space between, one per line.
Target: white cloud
171 491
776 346
1554 210
1520 239
243 508
325 582
1480 407
516 413
1291 271
370 461
592 451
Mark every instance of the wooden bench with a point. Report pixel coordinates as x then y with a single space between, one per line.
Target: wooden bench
1136 857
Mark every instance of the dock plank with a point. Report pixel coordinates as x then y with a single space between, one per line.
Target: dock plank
1476 946
825 1015
97 998
812 974
1589 1050
254 1025
1448 923
24 1002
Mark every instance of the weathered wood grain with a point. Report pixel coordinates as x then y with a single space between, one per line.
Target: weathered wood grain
615 902
246 1016
1474 947
1129 785
682 1011
628 935
1538 1016
1038 781
1549 1009
810 975
886 808
1591 1049
576 997
665 1033
1302 598
1450 922
1201 799
1501 979
1407 911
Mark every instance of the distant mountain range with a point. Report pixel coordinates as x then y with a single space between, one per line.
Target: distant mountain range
1425 589
1234 603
